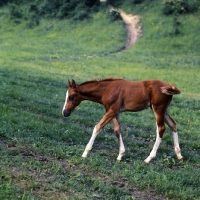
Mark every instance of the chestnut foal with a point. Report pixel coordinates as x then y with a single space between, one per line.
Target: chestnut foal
118 95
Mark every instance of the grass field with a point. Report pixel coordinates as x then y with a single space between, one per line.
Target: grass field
40 151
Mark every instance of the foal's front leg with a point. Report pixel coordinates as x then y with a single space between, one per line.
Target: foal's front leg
107 117
117 131
91 142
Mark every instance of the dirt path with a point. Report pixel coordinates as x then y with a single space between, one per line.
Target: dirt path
132 24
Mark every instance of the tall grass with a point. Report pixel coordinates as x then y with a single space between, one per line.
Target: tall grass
41 151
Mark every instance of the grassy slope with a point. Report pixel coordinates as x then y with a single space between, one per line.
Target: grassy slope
41 151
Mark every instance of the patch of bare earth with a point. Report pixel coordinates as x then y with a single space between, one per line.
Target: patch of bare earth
134 30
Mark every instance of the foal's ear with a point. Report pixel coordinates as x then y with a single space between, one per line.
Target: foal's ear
69 83
72 84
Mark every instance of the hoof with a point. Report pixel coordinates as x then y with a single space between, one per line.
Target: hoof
180 158
84 155
147 160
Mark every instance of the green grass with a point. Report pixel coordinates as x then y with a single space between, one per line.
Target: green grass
40 151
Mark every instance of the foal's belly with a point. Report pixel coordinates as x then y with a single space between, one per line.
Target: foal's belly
136 106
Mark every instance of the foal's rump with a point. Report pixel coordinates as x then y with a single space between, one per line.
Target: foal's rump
157 86
152 92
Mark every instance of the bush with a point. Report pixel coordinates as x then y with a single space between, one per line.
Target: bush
180 6
62 9
114 16
33 11
15 11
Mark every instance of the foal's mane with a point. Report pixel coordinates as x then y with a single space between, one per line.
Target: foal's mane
100 80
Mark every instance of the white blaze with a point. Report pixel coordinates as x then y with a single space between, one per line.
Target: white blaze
65 101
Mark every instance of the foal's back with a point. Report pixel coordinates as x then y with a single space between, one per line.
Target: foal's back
136 95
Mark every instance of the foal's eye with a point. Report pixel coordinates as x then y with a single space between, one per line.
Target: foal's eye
71 98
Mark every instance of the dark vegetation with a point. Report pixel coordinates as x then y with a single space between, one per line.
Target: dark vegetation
80 10
33 11
180 6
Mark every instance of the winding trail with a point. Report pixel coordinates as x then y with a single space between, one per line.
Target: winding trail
131 22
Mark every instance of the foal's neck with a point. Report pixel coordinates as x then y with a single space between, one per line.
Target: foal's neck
92 92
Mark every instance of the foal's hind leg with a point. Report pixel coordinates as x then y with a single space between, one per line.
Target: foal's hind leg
117 131
172 125
159 133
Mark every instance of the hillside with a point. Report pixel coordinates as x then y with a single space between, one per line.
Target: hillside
42 48
100 36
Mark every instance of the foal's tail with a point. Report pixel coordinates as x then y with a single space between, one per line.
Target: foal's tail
170 90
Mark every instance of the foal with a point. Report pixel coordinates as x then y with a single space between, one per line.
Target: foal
118 95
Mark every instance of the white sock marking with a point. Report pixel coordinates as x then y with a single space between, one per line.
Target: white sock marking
176 145
90 143
121 148
155 148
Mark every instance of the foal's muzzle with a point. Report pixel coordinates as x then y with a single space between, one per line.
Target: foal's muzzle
66 112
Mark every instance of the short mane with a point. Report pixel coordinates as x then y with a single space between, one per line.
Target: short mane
101 80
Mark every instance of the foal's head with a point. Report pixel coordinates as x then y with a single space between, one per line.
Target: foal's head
73 99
